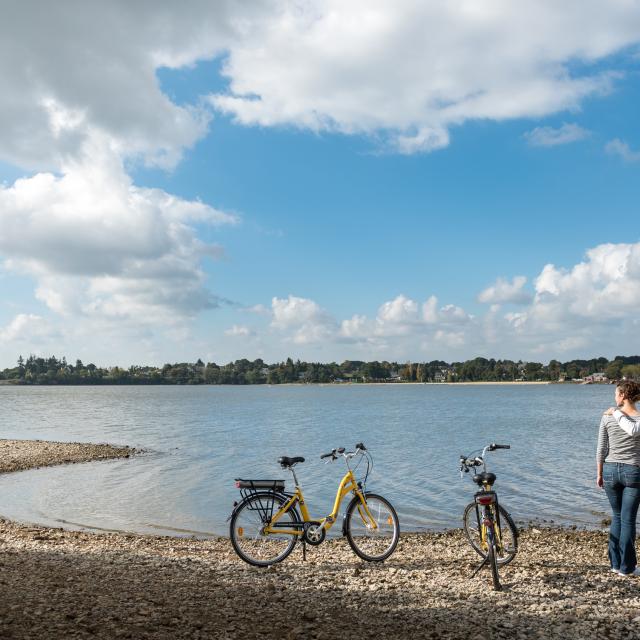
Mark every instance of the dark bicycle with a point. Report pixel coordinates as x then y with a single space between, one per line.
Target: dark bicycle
487 524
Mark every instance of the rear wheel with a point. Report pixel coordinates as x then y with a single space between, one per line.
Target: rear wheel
369 542
506 533
246 530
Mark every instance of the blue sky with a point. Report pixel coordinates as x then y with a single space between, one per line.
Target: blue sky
332 214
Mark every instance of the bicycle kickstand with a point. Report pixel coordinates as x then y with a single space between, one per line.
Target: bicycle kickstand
475 573
304 550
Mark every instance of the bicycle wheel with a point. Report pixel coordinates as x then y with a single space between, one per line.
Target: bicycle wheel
506 540
372 545
493 560
246 531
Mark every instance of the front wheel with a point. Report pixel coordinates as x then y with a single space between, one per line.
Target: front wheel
246 530
506 533
369 542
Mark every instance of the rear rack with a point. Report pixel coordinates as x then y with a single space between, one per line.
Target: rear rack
265 490
254 485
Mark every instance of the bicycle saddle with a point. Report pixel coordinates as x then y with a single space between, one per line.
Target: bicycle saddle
289 462
485 476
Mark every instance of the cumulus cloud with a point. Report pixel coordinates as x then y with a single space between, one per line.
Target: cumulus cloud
503 291
617 147
552 137
606 285
410 71
238 331
406 326
98 245
304 319
25 327
583 310
80 99
68 69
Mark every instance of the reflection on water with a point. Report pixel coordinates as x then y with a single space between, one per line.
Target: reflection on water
200 438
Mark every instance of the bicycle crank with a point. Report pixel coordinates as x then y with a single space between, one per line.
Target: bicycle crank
314 533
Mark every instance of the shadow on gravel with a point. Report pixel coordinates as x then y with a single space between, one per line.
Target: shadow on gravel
120 594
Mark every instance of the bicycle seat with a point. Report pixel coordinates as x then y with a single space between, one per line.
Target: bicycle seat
289 462
485 476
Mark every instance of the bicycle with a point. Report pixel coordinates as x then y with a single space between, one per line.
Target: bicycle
488 526
266 525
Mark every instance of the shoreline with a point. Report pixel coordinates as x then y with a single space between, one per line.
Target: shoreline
22 455
74 584
8 383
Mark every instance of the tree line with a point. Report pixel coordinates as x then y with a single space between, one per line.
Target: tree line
51 370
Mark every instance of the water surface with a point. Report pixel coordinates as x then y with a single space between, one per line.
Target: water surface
201 438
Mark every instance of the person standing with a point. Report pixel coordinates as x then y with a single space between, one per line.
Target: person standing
618 472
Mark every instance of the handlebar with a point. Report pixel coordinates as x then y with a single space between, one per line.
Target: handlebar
334 453
468 462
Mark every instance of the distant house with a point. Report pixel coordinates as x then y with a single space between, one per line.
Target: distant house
596 377
441 376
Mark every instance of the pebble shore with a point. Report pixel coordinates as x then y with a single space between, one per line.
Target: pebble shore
69 584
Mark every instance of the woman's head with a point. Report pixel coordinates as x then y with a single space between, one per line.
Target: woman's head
628 390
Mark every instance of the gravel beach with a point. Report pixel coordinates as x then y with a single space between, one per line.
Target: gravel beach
69 584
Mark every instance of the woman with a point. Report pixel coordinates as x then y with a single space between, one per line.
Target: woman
618 471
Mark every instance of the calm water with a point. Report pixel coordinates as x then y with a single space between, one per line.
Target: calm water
201 438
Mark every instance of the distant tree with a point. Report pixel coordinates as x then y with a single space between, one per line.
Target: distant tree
614 370
631 371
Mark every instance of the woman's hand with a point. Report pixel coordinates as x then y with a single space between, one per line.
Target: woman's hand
599 481
609 411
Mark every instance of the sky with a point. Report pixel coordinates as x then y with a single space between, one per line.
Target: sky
321 180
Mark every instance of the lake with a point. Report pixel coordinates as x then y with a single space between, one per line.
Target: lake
200 438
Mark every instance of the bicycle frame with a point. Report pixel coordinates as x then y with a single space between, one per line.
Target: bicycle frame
348 484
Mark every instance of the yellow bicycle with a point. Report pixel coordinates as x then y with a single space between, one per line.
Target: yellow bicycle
266 524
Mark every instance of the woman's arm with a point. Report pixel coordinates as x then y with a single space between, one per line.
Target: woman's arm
599 480
602 451
629 426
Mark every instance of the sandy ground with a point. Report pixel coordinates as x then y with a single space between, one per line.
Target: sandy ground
67 584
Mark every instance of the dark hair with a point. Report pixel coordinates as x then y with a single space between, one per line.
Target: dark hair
630 390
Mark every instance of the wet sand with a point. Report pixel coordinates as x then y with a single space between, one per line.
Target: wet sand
70 584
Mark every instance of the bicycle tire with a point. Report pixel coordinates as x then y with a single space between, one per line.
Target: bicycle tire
372 545
493 561
509 542
257 543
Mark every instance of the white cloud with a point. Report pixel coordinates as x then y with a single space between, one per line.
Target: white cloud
620 148
551 137
584 310
25 327
304 319
409 71
503 291
82 67
238 331
401 310
98 245
606 285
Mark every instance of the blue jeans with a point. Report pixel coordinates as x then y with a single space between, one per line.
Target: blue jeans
622 485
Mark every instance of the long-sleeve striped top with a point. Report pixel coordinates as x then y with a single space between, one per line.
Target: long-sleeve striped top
615 444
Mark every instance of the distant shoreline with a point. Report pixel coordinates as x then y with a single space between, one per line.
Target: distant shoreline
7 383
